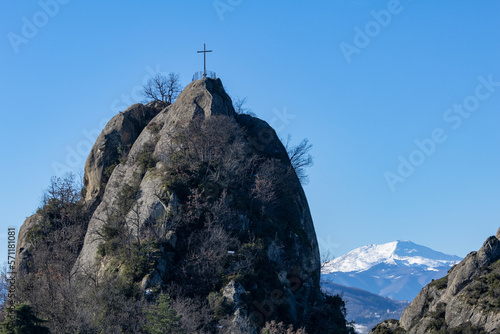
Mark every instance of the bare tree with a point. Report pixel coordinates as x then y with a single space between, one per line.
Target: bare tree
173 87
240 107
194 314
326 255
300 158
162 88
62 191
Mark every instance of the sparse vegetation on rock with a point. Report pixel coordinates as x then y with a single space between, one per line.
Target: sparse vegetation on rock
199 226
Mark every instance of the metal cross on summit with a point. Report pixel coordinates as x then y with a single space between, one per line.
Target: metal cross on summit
204 59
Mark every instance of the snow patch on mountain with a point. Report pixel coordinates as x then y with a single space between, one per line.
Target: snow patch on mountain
404 253
398 269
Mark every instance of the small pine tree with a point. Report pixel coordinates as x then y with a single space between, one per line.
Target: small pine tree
25 322
161 318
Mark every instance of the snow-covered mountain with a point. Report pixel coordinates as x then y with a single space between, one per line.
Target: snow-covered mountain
398 269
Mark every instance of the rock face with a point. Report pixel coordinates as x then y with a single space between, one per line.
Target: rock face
114 142
466 300
23 245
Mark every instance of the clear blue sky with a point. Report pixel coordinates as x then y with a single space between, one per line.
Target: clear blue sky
361 98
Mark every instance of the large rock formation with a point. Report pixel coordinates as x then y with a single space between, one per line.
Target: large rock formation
203 98
467 300
194 199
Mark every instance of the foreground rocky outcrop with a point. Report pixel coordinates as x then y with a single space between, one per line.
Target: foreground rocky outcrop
467 300
189 200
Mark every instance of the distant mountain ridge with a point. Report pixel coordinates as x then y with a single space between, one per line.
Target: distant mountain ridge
365 308
399 269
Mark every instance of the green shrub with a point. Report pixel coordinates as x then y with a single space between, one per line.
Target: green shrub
441 283
24 322
437 322
141 261
114 232
154 127
466 328
108 171
123 153
146 159
218 304
126 198
484 290
161 317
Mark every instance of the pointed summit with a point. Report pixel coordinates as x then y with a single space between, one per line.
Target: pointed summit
205 96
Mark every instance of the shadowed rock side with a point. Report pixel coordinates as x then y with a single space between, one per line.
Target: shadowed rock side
23 245
467 300
113 143
194 200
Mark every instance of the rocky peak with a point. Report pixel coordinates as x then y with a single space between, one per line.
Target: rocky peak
206 96
116 158
202 97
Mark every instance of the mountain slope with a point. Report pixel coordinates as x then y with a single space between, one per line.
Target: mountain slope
397 269
365 308
467 300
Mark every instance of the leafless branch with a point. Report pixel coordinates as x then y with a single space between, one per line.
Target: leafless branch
162 88
300 158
